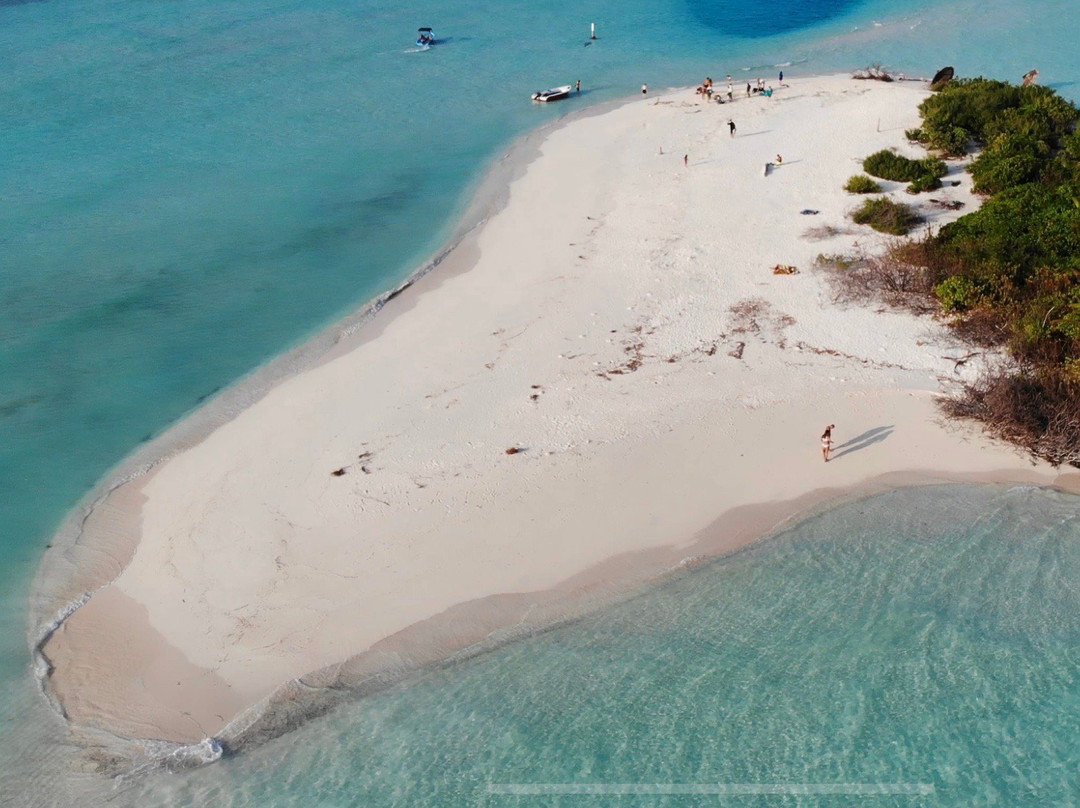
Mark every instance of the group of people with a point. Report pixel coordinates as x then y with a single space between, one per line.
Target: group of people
708 92
705 89
760 88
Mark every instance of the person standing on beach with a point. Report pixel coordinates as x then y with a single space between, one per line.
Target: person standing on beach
731 127
747 89
781 76
827 441
685 160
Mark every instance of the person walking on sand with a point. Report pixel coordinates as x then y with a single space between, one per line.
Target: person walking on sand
731 127
685 160
781 77
827 441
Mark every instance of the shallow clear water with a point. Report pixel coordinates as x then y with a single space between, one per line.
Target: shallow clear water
928 637
190 189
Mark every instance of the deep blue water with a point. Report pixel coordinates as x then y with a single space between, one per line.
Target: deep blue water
189 189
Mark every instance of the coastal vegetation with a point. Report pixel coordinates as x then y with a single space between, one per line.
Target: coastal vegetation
927 182
862 184
888 165
886 216
1008 274
923 175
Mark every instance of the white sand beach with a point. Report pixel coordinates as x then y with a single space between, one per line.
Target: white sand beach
618 324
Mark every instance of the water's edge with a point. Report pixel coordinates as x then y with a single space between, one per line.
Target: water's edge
63 584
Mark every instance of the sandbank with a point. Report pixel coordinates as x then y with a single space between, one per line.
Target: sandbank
602 383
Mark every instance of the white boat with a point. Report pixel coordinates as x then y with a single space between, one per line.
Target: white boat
425 38
553 94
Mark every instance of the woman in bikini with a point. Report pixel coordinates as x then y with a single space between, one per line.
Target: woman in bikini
827 441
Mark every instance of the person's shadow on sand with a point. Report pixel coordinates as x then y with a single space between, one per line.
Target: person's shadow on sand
868 438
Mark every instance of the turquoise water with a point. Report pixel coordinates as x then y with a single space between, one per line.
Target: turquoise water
190 189
923 637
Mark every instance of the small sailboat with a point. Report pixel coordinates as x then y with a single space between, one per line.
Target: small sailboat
425 38
553 94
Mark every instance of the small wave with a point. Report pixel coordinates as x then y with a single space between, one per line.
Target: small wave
145 757
194 755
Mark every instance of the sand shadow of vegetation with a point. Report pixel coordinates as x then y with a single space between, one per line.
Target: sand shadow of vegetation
868 438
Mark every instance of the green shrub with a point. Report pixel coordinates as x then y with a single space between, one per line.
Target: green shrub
1016 232
981 109
934 166
1010 270
889 165
968 104
1009 160
953 140
862 184
957 293
927 182
886 216
1065 167
915 135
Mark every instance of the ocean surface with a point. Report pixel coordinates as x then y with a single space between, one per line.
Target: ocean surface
189 189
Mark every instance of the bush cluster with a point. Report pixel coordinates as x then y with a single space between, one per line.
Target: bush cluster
1009 272
886 216
975 111
927 182
924 174
862 184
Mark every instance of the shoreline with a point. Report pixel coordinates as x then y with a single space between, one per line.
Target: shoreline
346 337
487 197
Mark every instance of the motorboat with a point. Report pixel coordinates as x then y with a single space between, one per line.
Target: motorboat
425 38
553 94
